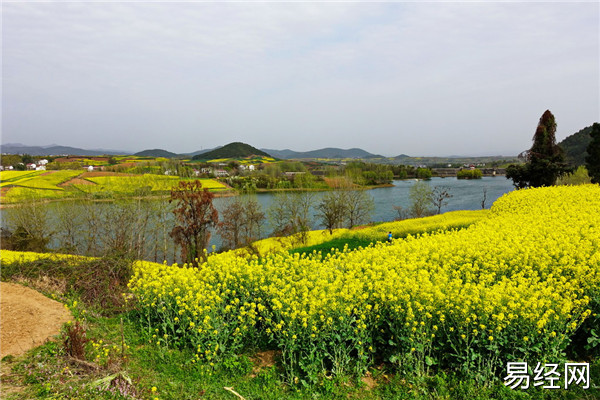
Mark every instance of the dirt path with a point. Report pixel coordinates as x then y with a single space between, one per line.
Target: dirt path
27 318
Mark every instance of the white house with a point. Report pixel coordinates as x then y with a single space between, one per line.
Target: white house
251 167
42 162
40 168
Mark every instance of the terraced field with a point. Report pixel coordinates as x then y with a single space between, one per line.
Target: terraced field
19 186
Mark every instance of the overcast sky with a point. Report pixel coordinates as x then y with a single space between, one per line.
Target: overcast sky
391 78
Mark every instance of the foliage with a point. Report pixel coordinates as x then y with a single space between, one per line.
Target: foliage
593 158
423 173
194 216
575 147
578 177
10 159
545 159
231 150
75 165
469 174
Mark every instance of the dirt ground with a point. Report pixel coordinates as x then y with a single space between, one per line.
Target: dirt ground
27 318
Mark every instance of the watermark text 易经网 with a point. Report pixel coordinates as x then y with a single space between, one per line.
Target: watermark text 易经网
548 376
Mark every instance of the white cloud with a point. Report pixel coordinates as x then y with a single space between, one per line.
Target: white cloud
433 78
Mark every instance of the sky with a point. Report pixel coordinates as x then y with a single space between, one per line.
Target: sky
423 79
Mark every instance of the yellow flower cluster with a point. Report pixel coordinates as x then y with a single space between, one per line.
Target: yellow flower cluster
9 256
514 284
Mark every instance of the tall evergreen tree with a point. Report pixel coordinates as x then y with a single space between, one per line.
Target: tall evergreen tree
593 159
544 161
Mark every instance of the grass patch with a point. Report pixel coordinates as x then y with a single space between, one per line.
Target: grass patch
364 236
336 244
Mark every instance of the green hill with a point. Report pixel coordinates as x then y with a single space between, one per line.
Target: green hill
231 150
156 153
575 146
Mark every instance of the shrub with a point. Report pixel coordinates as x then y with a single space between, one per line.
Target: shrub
469 174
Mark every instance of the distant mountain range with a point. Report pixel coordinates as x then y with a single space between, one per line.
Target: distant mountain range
57 150
328 152
574 147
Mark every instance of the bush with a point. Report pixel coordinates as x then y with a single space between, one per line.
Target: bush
469 174
578 177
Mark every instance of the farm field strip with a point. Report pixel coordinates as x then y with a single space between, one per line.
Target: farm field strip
128 184
11 177
64 183
48 180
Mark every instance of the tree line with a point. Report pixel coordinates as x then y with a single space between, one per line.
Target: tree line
544 163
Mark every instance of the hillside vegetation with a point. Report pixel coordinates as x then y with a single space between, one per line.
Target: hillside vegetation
156 153
231 150
575 146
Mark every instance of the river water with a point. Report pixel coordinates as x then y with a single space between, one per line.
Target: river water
466 195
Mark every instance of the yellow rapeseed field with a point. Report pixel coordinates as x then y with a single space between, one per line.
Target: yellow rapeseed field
513 286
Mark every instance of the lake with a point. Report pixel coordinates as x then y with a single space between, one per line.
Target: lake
466 195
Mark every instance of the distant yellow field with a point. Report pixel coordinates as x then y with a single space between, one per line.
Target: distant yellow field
41 179
25 185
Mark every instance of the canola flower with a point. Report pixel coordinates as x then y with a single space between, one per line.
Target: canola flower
9 256
525 274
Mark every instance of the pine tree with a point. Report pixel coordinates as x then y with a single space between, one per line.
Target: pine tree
545 161
593 159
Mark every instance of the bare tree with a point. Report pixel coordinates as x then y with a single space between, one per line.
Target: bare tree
359 207
401 213
290 214
332 210
194 216
232 225
241 223
439 197
68 226
29 226
484 198
255 219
